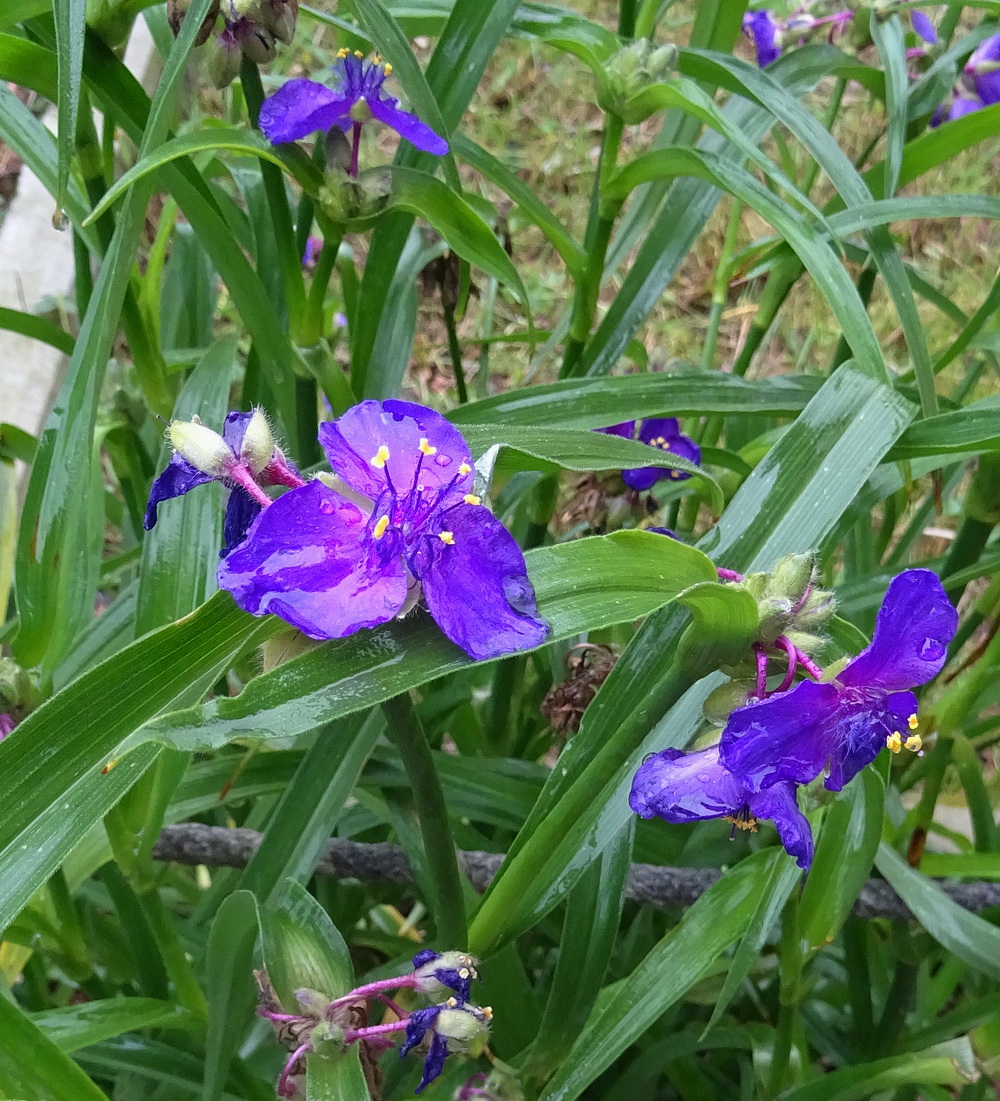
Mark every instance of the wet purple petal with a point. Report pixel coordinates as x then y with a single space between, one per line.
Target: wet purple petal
353 441
241 511
780 805
761 26
476 585
663 433
923 26
419 1021
983 68
234 428
178 477
407 125
914 626
788 737
307 559
300 108
860 732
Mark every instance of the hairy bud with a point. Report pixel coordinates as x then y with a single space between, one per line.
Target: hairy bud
204 449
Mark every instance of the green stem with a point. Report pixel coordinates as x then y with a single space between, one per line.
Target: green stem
312 326
289 259
455 351
408 736
307 421
859 981
898 1002
74 941
175 960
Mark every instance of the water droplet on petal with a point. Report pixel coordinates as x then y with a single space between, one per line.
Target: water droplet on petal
931 649
326 507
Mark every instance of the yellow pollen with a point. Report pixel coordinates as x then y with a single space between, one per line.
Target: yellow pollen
660 441
387 68
381 457
463 973
674 474
894 742
914 743
912 722
472 499
358 54
380 526
447 538
343 52
376 60
451 1002
488 1012
426 449
742 823
464 468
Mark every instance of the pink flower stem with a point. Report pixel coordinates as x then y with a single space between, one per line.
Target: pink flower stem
389 1003
728 575
371 989
353 1034
782 643
760 654
278 472
285 1088
810 666
240 474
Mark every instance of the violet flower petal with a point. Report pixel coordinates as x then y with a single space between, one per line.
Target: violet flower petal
418 1022
352 443
177 478
407 125
663 433
860 731
307 559
979 68
300 108
779 804
477 586
761 26
787 737
910 645
685 787
626 430
923 26
234 428
241 511
434 1063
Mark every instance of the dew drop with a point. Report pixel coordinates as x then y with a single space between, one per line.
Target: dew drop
59 219
931 649
326 507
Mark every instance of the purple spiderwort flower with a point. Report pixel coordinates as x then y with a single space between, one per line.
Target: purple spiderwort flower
435 973
302 107
982 71
842 725
247 458
452 1027
692 787
923 26
664 433
959 106
402 519
762 27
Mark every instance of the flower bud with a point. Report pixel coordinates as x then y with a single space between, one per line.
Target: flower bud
447 973
224 59
816 612
632 70
791 577
256 42
257 448
204 449
804 641
177 9
279 17
775 615
337 149
235 10
721 702
311 1002
465 1026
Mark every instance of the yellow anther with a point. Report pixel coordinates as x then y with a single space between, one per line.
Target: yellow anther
659 441
464 468
376 60
914 743
463 972
380 526
381 457
343 52
426 448
388 69
358 54
472 499
451 1002
742 822
447 538
913 722
894 742
488 1012
674 474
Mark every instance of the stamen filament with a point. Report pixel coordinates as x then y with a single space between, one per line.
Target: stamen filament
372 988
760 655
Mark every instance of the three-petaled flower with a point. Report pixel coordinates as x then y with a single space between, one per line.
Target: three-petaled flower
302 107
691 787
842 725
244 458
762 27
401 519
663 433
452 1026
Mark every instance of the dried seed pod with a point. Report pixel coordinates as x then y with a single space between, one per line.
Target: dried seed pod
587 667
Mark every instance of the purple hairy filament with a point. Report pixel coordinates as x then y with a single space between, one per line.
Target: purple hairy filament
741 820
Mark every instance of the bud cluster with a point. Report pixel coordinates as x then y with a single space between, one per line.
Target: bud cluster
241 28
632 70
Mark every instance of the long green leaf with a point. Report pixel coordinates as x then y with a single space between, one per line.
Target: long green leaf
70 22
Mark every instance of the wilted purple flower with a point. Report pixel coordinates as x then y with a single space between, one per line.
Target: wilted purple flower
762 27
243 459
923 26
956 108
452 1027
434 973
982 70
842 725
301 107
661 432
691 787
403 519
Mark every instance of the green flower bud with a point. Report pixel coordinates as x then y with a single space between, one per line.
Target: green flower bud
804 641
256 42
343 198
280 17
338 150
791 577
775 615
204 449
224 59
235 10
312 1002
177 9
257 449
723 701
632 70
815 613
467 1028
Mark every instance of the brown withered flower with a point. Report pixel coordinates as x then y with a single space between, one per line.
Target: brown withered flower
587 667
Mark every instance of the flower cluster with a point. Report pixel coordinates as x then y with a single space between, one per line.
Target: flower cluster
357 95
769 33
244 28
978 86
835 723
398 521
663 433
453 1025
